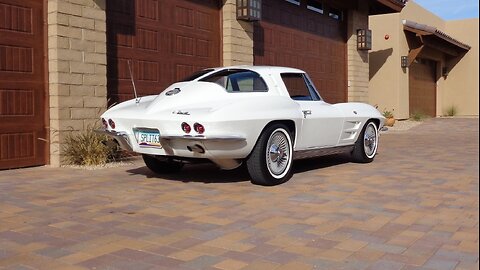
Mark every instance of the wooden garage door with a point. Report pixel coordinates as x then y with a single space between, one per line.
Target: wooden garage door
22 84
165 40
423 87
298 36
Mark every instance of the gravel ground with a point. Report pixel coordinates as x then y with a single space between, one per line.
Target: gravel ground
403 125
115 164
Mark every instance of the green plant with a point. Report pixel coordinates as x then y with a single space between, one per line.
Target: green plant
418 116
88 148
452 111
388 114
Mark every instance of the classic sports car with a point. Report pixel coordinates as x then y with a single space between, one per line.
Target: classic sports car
263 116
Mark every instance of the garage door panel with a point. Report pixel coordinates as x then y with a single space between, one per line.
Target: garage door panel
422 87
15 17
22 84
166 41
148 9
294 36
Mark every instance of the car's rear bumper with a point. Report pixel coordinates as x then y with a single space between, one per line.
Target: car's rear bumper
190 146
121 137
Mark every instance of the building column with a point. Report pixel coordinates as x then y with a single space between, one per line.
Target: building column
357 61
77 68
237 37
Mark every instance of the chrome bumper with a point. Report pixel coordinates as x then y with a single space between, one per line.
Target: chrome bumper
124 141
204 138
120 137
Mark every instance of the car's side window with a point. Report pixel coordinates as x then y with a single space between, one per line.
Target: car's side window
238 80
297 86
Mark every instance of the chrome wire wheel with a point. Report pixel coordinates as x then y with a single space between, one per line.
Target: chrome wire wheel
278 153
370 140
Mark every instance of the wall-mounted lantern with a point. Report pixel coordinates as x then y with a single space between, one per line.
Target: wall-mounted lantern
249 10
445 72
364 39
404 61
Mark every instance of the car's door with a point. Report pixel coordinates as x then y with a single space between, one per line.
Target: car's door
322 123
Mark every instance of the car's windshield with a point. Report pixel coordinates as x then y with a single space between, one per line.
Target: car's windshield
238 80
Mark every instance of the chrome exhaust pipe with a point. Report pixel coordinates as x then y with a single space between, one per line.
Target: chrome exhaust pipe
196 148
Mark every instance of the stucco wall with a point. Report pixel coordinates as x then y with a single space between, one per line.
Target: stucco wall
417 13
385 70
461 85
389 83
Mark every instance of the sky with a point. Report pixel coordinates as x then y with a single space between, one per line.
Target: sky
451 9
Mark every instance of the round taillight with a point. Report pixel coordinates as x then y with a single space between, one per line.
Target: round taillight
199 128
111 123
104 123
186 127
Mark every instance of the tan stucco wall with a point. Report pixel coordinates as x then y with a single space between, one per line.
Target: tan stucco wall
417 13
461 85
385 71
77 68
389 83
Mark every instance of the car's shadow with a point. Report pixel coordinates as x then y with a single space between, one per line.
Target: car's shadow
209 173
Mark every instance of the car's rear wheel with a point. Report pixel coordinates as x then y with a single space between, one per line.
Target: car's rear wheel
162 166
270 162
367 144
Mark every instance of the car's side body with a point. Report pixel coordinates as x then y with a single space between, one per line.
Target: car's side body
234 120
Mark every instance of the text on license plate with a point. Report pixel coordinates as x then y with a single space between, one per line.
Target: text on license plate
150 138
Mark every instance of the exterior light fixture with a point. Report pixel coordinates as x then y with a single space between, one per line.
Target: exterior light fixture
445 72
364 39
249 10
404 61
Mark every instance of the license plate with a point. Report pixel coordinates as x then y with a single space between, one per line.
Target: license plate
148 138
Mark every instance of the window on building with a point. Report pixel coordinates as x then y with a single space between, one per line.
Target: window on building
295 2
238 80
335 14
315 5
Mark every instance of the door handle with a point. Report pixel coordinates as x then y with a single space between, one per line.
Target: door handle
306 112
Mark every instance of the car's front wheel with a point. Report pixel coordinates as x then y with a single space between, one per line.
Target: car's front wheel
367 144
270 162
162 166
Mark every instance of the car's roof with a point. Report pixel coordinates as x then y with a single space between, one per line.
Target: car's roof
262 69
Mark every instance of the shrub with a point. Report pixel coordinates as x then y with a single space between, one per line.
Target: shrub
452 110
418 116
387 114
88 148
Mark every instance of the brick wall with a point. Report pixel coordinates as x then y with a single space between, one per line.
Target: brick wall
77 67
357 61
237 37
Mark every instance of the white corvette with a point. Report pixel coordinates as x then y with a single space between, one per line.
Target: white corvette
263 116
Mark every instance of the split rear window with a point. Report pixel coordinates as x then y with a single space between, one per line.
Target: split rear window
238 80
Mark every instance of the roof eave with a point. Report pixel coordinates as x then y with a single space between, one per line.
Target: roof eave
422 29
386 6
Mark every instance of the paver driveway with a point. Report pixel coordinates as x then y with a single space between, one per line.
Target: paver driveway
415 207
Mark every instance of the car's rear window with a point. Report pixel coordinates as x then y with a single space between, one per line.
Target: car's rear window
238 80
197 75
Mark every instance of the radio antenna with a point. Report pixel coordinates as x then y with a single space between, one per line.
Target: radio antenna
137 100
